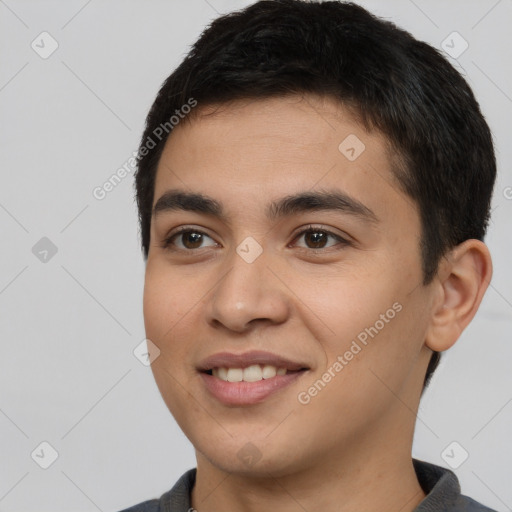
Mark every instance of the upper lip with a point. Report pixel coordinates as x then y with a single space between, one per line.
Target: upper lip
231 360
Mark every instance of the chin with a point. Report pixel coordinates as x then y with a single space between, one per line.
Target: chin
257 458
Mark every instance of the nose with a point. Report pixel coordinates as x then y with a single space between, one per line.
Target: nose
247 295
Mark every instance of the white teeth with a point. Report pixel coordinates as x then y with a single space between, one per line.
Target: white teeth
269 371
252 373
235 375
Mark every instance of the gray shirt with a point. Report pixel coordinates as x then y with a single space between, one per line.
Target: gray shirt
440 485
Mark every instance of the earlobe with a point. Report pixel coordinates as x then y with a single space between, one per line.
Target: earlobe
463 277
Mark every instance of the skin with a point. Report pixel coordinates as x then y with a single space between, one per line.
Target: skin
349 448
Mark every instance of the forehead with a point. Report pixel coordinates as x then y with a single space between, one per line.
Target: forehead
246 151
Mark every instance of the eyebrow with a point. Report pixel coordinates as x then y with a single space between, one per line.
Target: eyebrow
310 201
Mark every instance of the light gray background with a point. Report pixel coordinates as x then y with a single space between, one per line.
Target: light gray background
69 326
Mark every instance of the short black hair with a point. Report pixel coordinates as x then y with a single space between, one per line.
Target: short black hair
404 88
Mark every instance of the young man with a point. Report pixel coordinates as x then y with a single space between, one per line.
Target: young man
313 188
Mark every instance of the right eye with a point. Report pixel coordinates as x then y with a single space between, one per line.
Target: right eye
186 239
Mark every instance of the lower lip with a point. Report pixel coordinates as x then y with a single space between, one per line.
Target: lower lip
247 393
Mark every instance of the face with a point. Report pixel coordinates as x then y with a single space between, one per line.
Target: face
281 241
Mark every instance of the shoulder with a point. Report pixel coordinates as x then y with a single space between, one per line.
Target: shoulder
442 490
466 504
177 499
145 506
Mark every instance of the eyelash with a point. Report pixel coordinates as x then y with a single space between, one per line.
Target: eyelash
167 242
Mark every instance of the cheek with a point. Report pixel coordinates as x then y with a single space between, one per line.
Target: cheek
374 356
370 324
349 307
165 307
168 321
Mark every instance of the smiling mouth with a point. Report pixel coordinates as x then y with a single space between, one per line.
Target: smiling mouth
240 387
252 373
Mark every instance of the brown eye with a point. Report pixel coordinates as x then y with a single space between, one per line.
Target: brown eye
191 239
316 239
186 240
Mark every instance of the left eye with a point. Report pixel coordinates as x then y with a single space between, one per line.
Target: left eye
316 238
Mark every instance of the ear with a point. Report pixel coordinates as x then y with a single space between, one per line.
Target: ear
459 286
